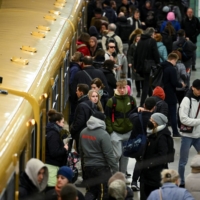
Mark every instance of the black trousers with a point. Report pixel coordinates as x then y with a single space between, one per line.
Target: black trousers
96 180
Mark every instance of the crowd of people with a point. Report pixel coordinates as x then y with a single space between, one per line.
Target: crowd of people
122 40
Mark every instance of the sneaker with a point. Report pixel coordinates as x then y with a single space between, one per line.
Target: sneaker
135 187
128 175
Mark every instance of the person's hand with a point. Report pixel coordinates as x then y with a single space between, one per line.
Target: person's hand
143 23
183 84
188 70
140 109
130 65
187 38
66 146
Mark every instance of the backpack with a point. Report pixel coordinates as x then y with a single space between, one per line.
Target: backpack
114 104
171 150
112 39
156 76
182 48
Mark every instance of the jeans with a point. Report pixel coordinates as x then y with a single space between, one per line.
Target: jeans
186 143
172 109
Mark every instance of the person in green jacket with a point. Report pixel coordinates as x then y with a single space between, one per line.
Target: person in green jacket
118 124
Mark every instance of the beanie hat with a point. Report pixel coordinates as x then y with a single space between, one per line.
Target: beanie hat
170 16
166 9
159 118
196 84
99 115
159 92
66 172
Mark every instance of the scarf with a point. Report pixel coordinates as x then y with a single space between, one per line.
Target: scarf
159 128
100 92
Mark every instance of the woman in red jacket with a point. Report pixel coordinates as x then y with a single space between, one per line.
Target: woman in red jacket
82 44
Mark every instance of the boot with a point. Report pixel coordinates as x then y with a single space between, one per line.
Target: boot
194 68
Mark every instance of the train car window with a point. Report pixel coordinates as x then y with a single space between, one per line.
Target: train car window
66 80
22 160
33 143
9 192
41 134
55 94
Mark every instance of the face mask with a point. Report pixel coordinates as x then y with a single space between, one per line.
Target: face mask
150 125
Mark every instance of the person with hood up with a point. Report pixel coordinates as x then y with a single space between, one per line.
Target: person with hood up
64 176
192 181
170 190
155 156
161 105
171 18
34 180
56 150
94 34
97 154
93 44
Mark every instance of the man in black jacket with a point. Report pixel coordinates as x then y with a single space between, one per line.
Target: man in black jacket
191 25
82 113
170 82
146 50
86 75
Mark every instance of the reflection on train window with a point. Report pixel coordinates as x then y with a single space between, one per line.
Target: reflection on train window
66 79
33 143
55 94
9 192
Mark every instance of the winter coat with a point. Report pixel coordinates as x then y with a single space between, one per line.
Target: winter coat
170 82
124 29
81 116
95 145
187 115
82 77
192 28
73 69
56 154
154 160
133 22
117 39
52 195
172 192
104 98
82 47
131 54
94 19
29 188
182 75
137 127
110 77
121 123
161 106
110 14
174 23
162 51
146 50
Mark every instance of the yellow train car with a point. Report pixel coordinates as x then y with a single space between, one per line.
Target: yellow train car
37 39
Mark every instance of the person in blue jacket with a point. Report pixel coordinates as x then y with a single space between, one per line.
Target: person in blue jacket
170 189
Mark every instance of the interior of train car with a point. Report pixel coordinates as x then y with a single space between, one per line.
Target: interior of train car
37 39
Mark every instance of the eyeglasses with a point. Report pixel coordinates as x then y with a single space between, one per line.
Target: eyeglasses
112 47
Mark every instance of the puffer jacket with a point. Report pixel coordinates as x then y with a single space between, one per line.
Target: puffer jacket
161 106
162 51
122 123
82 47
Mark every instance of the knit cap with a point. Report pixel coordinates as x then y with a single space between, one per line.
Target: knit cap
170 16
159 118
66 172
166 9
159 92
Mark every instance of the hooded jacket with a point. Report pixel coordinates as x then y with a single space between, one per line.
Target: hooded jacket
29 185
95 145
56 154
187 115
122 123
82 47
74 68
170 82
162 51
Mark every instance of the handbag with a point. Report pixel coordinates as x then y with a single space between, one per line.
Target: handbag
188 129
135 147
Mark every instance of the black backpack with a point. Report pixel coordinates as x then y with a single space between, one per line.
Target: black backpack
182 48
156 76
112 39
114 104
171 150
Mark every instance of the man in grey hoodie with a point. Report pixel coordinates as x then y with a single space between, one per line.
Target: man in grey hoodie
98 158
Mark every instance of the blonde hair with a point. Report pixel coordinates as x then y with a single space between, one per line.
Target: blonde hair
169 176
117 189
121 82
136 32
99 105
117 176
